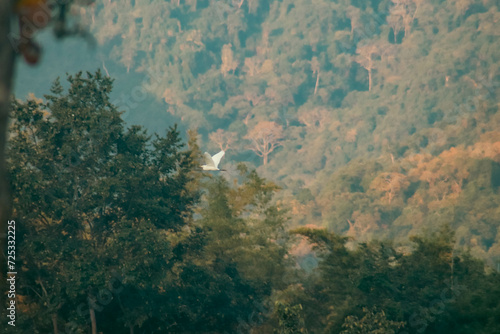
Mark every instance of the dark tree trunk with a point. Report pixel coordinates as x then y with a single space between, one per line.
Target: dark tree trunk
6 75
92 319
54 323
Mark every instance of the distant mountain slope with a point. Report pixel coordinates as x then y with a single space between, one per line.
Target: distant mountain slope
360 90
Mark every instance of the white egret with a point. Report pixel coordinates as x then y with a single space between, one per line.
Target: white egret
212 163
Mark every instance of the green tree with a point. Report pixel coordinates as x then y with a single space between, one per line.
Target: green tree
290 321
372 323
31 17
87 187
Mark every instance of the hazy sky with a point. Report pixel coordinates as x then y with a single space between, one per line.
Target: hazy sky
70 55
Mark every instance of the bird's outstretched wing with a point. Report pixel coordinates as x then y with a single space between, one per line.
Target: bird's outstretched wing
208 160
216 158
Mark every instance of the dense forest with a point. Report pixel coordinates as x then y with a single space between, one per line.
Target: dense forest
362 192
121 232
385 111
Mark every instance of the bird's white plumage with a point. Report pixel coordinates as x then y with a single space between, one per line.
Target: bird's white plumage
212 163
216 158
208 160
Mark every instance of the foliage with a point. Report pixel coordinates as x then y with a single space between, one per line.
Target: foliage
328 82
377 120
376 288
101 204
373 322
289 319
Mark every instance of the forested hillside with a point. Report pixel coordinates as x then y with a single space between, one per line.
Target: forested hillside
377 118
118 231
362 192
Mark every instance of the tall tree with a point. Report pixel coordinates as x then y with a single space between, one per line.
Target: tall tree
32 16
86 187
265 137
228 62
365 57
396 18
315 67
224 140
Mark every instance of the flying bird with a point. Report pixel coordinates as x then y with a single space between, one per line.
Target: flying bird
212 163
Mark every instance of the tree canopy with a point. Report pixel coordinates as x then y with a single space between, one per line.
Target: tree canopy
367 196
335 77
